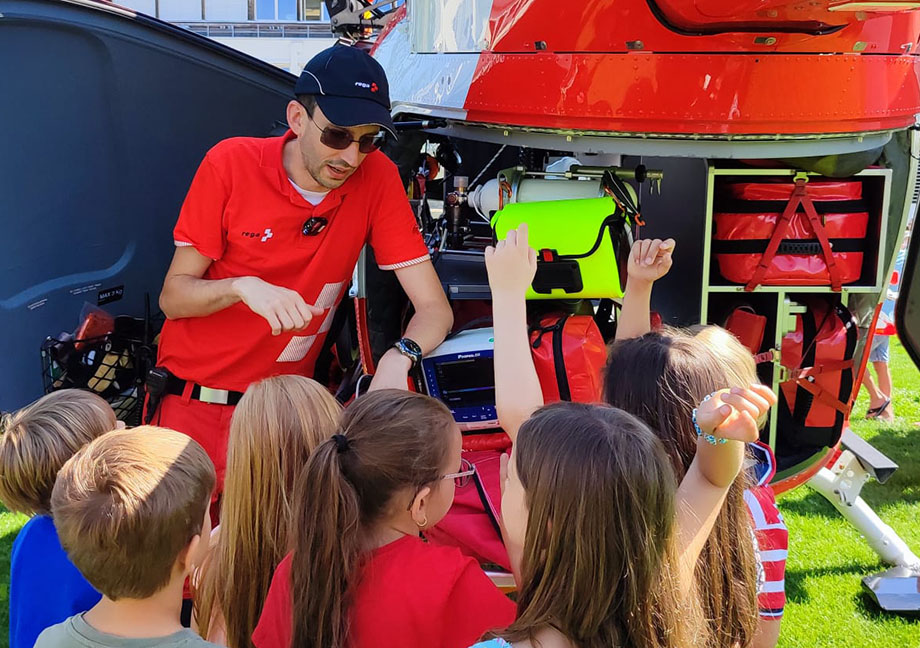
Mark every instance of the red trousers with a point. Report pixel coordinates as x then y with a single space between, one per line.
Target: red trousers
206 423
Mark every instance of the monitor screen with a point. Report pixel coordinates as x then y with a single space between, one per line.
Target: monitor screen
467 383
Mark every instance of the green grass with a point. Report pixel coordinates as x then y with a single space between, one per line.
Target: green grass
827 558
10 523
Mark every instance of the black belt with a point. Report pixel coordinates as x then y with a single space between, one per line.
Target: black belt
176 387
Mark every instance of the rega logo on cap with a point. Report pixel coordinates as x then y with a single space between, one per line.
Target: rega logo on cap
361 84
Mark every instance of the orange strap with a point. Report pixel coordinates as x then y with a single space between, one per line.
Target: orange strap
823 396
799 197
504 187
805 380
637 220
831 366
364 341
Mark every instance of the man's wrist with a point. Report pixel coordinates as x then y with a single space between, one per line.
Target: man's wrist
397 359
238 286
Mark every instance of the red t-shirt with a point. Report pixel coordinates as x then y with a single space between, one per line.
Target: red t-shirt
242 211
410 594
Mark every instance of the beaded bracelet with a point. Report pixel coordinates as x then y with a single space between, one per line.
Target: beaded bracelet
711 439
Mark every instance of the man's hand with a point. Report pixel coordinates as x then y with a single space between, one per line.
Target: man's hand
733 413
649 259
283 309
511 264
392 372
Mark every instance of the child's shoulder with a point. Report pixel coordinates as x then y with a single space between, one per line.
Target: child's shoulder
75 631
38 535
493 643
186 639
59 635
433 557
38 525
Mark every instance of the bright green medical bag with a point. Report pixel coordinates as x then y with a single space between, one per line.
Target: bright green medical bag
582 246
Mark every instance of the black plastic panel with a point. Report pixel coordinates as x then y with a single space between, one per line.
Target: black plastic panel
105 117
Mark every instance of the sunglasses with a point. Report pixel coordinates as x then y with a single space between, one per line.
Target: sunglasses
340 139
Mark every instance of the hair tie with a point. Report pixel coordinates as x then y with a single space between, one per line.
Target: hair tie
341 443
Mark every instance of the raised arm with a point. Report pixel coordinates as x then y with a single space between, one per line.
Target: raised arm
649 260
731 415
511 265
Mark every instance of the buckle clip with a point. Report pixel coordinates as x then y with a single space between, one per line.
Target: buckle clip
213 396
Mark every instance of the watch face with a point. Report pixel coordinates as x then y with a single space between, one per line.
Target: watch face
411 346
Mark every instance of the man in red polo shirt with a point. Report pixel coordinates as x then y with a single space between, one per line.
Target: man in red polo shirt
266 243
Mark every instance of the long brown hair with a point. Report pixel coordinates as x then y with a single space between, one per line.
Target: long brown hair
660 377
390 439
598 562
276 425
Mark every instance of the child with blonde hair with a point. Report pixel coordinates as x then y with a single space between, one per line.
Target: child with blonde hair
659 377
275 427
132 512
770 532
45 587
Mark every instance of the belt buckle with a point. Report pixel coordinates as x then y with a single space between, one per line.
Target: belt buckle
213 396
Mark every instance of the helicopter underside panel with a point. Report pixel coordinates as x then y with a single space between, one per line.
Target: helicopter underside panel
850 88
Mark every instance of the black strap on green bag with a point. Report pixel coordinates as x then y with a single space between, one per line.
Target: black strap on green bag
561 271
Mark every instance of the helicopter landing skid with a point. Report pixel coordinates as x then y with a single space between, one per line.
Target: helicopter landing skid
895 590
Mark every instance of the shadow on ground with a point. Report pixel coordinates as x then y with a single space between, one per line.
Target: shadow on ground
903 487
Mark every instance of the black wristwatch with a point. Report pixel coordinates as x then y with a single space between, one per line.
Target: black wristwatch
410 349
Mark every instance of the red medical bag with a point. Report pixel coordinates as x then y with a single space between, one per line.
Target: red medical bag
816 396
748 327
791 233
569 354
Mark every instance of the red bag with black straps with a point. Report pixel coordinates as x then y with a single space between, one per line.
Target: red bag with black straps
569 355
817 395
791 233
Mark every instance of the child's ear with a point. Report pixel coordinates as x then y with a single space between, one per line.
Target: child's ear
419 508
187 557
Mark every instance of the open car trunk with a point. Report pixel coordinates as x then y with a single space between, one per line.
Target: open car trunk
106 116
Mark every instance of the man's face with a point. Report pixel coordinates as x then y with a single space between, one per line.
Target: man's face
328 166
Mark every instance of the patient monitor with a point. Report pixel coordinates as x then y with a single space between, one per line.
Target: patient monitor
461 373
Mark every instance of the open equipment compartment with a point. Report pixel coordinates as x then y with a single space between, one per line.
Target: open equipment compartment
784 305
874 187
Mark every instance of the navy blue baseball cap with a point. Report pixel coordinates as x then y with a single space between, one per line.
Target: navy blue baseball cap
350 87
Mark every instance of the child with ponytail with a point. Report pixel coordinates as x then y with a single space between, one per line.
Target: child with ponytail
359 575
